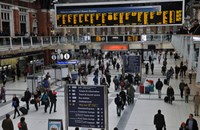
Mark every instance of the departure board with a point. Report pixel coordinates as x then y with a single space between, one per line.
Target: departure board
137 13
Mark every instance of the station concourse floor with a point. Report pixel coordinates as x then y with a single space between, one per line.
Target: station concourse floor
137 116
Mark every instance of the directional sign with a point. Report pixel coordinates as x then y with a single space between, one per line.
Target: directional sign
132 63
86 106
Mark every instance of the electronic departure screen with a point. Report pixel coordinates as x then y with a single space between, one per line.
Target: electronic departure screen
137 13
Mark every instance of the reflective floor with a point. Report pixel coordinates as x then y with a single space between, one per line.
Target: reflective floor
139 115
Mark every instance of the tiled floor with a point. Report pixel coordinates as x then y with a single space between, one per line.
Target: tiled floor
140 115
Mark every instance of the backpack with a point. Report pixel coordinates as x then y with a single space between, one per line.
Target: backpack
19 125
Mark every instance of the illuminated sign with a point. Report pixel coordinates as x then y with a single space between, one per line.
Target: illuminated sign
114 47
137 13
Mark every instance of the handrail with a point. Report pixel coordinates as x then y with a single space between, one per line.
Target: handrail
21 42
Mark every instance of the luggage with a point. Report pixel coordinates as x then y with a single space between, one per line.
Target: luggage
147 90
23 99
165 81
166 99
32 101
141 88
23 110
151 87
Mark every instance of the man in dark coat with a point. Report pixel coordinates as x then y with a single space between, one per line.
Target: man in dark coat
181 87
159 120
159 86
27 97
191 123
7 123
118 103
152 67
195 29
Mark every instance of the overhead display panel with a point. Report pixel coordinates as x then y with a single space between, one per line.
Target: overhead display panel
127 13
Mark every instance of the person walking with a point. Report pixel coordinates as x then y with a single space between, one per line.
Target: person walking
187 93
190 75
116 82
7 123
196 101
53 100
3 78
22 124
3 94
152 67
159 85
177 70
170 94
118 103
191 123
45 101
181 87
159 121
147 68
36 100
15 104
27 97
123 97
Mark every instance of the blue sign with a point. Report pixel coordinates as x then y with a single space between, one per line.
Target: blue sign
86 106
132 63
71 62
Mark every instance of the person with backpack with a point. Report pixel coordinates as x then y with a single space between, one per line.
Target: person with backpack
45 101
53 100
22 124
187 93
15 104
170 94
118 103
116 82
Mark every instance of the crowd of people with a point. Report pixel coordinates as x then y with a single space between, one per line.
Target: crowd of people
123 85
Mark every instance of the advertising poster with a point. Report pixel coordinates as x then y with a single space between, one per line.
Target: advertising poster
55 124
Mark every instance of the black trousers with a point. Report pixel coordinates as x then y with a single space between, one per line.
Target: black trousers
53 104
181 93
27 105
16 111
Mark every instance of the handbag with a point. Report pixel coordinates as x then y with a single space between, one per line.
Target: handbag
173 98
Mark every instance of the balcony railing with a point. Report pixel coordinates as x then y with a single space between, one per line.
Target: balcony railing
22 42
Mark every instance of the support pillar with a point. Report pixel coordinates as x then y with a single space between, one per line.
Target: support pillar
185 50
191 55
198 69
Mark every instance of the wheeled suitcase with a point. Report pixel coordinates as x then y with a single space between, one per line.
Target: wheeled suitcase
141 88
147 90
165 81
23 110
166 99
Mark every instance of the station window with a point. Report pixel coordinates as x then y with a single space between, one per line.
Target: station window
23 18
5 16
7 7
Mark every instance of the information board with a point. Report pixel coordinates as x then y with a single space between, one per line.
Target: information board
127 13
132 63
86 106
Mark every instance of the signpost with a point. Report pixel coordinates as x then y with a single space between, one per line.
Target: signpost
132 63
86 106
